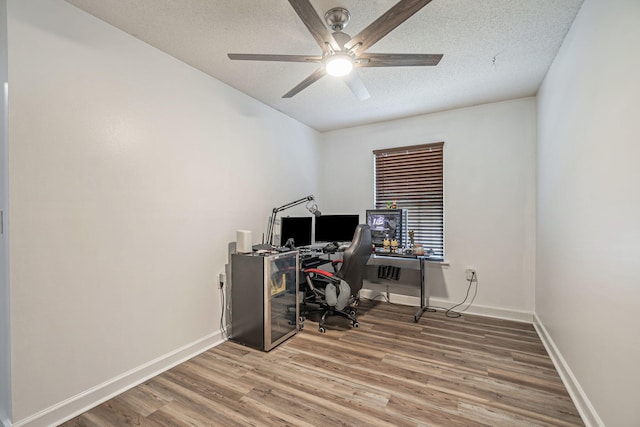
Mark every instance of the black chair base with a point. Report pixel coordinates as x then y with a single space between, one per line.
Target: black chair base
349 312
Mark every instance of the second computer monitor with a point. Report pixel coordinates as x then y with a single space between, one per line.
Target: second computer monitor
336 228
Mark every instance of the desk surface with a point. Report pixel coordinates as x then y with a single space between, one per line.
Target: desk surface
392 255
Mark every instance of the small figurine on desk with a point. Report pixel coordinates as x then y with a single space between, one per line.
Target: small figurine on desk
412 235
394 246
386 244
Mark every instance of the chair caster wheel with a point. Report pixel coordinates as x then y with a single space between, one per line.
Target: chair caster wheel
322 330
301 319
352 312
356 324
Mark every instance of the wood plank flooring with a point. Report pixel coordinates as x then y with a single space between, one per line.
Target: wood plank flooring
467 371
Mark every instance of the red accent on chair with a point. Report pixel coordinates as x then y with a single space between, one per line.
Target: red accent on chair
318 271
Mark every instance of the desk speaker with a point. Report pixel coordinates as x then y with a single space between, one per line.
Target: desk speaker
243 242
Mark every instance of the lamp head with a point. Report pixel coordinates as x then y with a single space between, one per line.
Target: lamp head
312 206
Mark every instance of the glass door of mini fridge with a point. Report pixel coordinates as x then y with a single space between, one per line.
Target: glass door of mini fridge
281 297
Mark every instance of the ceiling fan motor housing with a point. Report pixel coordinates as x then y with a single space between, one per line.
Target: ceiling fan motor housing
337 18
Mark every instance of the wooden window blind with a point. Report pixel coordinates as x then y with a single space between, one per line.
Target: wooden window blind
413 177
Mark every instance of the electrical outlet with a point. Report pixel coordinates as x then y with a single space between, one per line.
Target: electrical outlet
471 273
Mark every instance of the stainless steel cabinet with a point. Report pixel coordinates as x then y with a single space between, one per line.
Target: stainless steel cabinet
264 299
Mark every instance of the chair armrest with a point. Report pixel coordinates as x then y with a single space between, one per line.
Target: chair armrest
325 275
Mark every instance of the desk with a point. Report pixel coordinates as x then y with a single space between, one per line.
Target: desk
411 262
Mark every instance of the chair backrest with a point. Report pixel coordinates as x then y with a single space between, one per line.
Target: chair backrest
355 258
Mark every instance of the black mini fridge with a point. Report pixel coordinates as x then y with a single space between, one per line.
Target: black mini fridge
264 298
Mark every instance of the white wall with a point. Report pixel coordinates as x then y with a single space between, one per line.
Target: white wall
5 353
588 252
489 168
129 174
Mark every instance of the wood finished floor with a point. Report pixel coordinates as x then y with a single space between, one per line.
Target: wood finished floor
468 371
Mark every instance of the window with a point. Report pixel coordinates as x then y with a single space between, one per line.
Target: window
413 177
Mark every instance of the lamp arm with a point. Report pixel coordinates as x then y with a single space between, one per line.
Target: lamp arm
272 219
292 204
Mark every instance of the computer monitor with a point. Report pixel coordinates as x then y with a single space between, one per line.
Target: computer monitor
297 228
387 223
336 228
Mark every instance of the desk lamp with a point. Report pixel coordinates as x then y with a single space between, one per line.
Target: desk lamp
311 207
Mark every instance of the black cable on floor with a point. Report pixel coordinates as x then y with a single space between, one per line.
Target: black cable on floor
450 312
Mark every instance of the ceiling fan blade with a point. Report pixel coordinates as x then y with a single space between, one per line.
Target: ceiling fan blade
314 24
282 58
398 59
382 26
314 77
356 85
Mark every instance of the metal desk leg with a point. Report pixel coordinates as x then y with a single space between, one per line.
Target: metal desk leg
423 305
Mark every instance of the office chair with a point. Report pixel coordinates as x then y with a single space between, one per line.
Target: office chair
338 293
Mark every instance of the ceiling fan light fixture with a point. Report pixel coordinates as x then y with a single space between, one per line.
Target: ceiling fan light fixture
338 65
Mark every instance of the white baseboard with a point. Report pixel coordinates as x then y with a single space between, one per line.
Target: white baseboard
76 405
394 298
481 310
488 311
583 404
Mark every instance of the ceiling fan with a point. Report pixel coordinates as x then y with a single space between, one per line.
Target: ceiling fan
342 53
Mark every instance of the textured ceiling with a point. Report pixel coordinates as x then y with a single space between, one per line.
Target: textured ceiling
493 50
